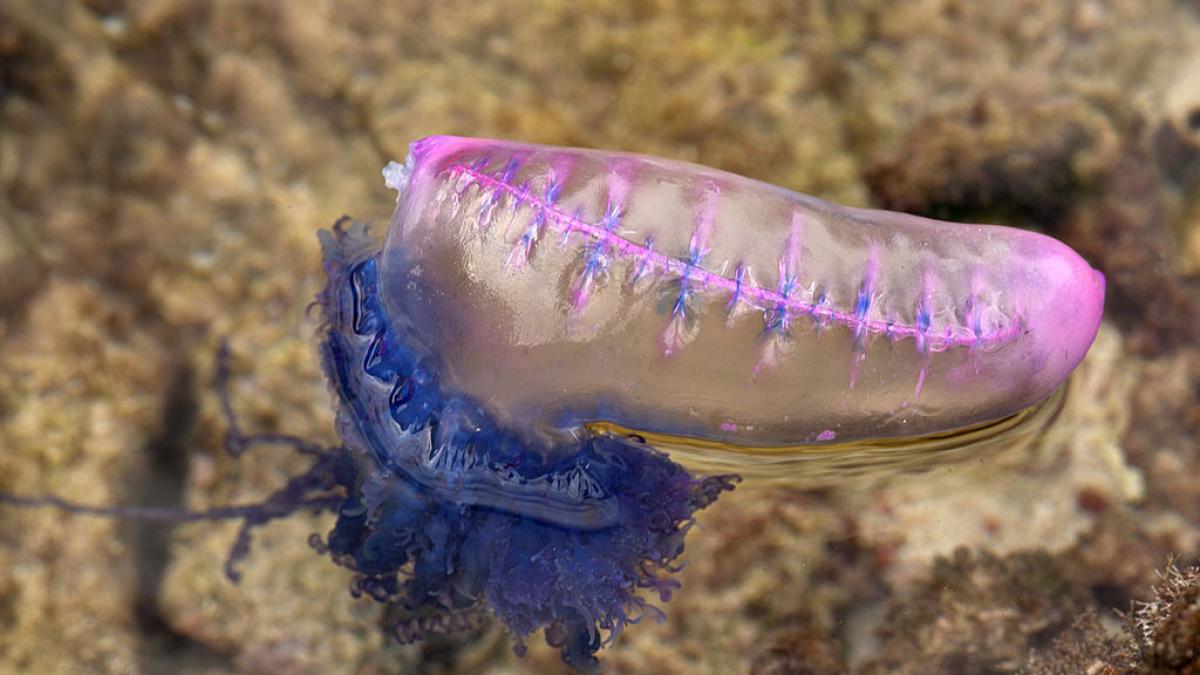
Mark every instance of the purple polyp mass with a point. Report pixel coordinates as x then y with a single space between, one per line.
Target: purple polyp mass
450 514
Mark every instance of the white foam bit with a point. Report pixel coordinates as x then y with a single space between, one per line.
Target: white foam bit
395 174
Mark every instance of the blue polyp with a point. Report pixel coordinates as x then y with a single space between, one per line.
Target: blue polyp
448 513
863 303
510 170
739 275
553 189
976 320
924 320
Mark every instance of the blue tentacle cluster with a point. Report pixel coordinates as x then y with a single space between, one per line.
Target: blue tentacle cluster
449 515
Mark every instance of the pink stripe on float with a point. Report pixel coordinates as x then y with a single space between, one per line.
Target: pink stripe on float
761 298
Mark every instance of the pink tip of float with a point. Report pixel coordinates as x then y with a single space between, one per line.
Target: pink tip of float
1062 301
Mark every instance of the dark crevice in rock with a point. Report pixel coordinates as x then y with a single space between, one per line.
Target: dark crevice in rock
163 484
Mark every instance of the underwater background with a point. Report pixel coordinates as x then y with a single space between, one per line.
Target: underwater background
164 166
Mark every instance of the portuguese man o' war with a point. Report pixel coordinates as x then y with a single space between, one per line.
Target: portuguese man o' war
540 368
